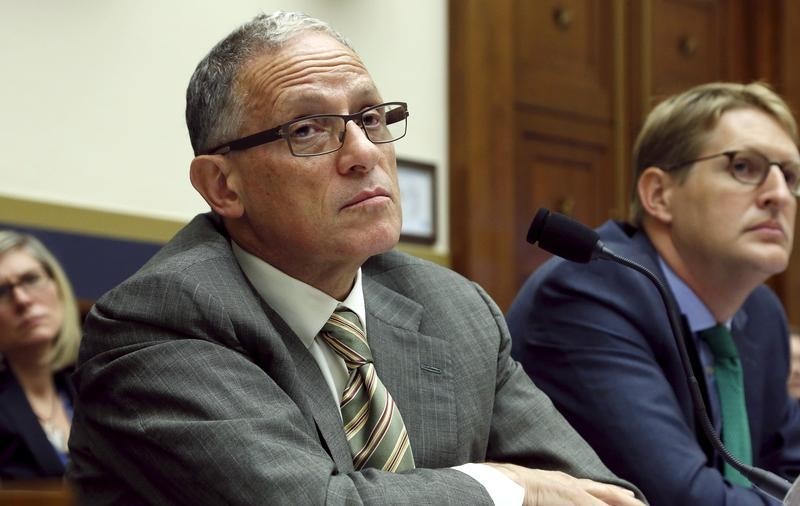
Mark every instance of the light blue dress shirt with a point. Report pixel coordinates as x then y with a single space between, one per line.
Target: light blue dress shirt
699 318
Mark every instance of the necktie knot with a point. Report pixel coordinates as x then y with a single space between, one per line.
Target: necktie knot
720 341
345 336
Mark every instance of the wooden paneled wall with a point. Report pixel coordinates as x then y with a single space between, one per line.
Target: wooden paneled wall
547 97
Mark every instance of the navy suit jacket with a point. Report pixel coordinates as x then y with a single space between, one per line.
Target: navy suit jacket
25 451
597 340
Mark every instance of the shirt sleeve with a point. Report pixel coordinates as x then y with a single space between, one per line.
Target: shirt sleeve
502 489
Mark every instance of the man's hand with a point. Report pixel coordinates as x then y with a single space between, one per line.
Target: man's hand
554 488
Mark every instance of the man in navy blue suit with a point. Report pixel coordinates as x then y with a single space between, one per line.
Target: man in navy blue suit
716 172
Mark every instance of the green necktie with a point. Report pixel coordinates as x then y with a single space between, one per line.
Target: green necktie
372 423
730 386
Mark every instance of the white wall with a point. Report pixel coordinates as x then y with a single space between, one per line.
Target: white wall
92 92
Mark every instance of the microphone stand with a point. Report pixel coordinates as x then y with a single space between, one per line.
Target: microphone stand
769 482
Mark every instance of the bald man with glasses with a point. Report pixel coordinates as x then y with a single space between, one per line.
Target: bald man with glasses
277 351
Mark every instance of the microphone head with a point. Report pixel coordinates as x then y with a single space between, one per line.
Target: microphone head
563 236
535 230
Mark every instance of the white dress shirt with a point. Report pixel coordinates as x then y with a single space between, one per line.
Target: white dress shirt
306 310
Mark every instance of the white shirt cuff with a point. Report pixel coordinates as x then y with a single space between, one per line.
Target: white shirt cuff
503 490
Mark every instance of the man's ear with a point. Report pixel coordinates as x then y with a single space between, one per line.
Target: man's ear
213 177
655 188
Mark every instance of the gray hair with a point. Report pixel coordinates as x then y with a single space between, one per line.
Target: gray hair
214 111
65 347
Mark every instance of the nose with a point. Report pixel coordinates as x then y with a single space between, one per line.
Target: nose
358 153
20 296
775 191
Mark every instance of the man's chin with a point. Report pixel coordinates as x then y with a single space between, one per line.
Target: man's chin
381 241
773 264
772 257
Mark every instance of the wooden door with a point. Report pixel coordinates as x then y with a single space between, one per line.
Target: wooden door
547 97
565 71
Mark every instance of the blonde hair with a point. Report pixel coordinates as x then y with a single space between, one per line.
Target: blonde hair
677 128
65 347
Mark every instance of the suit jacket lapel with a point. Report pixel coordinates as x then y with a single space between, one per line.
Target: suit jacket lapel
752 372
25 423
300 375
415 369
323 407
643 251
303 382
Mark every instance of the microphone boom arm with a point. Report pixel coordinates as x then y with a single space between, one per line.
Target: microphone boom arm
769 482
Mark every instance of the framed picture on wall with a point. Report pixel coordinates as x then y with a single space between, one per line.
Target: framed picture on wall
418 199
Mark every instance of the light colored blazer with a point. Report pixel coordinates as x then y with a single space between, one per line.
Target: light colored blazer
192 390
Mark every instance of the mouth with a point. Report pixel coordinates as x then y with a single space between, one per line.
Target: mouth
769 228
32 321
366 197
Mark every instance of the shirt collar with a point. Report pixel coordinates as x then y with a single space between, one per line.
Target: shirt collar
304 308
697 313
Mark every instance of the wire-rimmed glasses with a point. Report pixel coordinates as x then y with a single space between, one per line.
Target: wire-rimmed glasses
321 134
751 167
32 283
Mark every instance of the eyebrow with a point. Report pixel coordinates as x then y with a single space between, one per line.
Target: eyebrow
32 270
760 151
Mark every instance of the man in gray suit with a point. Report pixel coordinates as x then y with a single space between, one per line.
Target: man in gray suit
224 371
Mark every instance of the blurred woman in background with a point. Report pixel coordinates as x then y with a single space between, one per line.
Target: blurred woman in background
39 337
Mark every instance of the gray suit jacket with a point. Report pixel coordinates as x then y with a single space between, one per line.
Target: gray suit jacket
192 390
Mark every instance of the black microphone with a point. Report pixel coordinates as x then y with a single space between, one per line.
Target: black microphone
569 239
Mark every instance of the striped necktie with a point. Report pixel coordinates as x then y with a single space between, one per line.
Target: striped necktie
730 385
372 423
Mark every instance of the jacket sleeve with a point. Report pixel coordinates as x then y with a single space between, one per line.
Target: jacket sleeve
527 429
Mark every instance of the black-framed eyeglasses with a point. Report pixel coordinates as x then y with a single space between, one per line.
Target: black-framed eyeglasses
751 167
31 282
321 134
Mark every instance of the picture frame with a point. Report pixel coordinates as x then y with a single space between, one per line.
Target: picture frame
417 182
